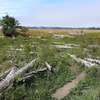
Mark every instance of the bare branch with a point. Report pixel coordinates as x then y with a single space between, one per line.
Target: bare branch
48 66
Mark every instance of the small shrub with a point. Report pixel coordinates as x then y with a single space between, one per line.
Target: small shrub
9 25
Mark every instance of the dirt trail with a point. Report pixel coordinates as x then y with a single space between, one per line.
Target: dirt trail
66 89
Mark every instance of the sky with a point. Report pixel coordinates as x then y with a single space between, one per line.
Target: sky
64 13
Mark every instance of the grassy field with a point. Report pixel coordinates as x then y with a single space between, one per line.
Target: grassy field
40 44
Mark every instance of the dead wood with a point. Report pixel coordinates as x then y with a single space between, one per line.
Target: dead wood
5 83
3 75
10 75
31 74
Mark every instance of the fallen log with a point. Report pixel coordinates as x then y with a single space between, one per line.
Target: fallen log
82 61
66 46
5 83
14 72
23 70
31 74
93 60
3 75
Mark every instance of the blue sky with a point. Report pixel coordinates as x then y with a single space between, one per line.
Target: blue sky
69 13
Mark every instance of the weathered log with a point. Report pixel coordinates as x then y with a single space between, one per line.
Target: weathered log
13 74
31 74
23 70
35 72
4 84
3 75
82 61
96 61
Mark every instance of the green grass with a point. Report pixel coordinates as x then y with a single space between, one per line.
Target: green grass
22 50
87 89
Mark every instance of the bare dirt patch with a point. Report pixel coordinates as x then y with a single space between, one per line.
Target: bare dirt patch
66 89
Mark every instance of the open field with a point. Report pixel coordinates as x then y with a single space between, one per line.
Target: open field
54 47
61 31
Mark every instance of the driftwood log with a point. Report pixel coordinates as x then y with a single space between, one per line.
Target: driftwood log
31 74
5 83
7 79
3 75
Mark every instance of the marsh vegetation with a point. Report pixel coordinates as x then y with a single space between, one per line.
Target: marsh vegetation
41 44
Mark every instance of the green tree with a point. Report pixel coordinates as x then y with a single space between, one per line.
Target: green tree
9 25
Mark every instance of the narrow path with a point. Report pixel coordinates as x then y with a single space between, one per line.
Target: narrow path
66 89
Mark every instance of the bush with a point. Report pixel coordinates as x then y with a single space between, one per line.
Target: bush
9 25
